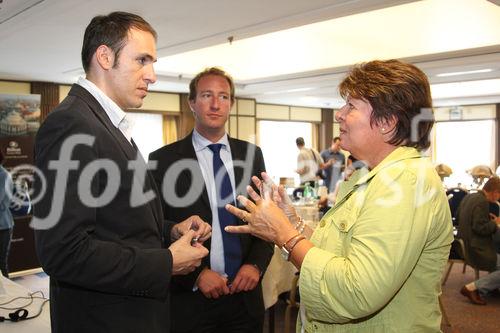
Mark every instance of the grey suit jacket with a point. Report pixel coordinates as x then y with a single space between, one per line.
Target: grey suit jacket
476 229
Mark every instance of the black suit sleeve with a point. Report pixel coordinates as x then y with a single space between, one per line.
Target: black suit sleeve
164 161
83 248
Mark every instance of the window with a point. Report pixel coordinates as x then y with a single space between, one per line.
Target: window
277 140
147 131
462 145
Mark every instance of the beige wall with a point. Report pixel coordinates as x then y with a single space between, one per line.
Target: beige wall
472 112
10 87
154 101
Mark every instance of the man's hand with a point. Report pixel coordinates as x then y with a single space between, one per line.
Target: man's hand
212 284
186 257
247 278
203 230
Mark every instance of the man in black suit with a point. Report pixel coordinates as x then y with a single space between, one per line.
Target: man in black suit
100 233
199 175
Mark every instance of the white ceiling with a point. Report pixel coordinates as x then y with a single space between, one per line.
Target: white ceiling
40 40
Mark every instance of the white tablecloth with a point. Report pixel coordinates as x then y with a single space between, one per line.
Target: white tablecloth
278 278
10 290
280 273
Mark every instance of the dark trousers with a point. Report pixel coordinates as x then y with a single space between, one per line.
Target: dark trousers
5 236
228 314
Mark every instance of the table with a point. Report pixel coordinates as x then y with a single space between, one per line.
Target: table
10 290
277 279
280 273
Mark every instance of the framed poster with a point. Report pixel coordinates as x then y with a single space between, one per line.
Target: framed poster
19 122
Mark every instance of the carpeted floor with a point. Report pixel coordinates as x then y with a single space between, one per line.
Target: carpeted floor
464 316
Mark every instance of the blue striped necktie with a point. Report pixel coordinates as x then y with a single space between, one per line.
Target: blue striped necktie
224 193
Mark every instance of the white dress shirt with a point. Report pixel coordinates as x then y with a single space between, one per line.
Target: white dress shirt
117 116
205 160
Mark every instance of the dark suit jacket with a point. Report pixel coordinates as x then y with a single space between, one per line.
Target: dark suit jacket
476 229
188 305
108 266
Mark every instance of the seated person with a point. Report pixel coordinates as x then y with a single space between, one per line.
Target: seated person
476 290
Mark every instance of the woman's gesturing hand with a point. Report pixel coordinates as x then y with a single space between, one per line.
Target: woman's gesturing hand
278 194
264 218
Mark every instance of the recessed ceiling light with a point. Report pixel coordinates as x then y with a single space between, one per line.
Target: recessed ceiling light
486 70
286 91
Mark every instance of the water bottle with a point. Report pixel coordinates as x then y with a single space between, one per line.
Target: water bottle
308 192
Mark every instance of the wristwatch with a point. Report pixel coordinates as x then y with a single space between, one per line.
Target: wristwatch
287 247
285 254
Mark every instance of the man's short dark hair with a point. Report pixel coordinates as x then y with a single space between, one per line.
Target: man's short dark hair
299 141
336 139
193 85
110 30
492 185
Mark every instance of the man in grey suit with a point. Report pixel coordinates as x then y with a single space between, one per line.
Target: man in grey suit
100 233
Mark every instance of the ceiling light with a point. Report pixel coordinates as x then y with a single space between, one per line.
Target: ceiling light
274 92
466 89
487 70
298 89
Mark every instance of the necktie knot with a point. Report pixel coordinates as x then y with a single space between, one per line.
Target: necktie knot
215 147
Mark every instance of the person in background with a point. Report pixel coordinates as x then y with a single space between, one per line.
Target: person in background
374 263
475 291
6 219
334 161
477 226
110 258
224 294
353 165
309 163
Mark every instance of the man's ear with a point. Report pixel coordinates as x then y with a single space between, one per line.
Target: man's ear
105 57
191 103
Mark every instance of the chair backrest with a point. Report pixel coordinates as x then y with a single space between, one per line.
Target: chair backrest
455 196
495 208
457 250
296 192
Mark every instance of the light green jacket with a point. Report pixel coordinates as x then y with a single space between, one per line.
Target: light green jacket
380 252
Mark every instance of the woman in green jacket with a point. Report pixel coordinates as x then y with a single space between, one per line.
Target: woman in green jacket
375 262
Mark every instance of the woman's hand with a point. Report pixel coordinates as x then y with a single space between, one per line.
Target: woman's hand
278 194
265 219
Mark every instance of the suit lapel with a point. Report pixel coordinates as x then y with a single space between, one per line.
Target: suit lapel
237 154
126 147
101 115
186 151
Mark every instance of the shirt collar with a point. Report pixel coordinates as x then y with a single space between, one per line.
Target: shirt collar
398 154
200 142
114 112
